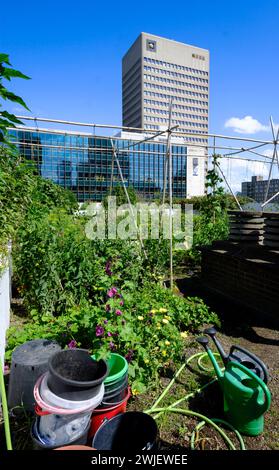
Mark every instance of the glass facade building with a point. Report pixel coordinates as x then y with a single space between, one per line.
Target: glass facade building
83 162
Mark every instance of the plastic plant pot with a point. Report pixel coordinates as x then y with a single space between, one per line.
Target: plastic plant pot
29 362
73 374
99 415
55 400
114 400
113 386
38 444
122 386
118 366
128 432
60 429
44 407
76 447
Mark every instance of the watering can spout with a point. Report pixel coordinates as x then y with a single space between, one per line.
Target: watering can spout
212 333
204 342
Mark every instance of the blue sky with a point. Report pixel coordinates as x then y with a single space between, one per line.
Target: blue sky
73 50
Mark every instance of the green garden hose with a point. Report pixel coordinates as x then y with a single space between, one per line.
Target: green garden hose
205 420
5 410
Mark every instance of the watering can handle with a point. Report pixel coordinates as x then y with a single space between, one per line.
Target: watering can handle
252 356
264 387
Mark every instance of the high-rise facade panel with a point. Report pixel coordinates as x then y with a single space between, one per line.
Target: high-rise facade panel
156 70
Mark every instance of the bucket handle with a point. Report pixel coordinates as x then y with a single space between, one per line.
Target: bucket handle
265 406
39 411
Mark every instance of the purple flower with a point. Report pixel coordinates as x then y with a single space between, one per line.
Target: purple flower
107 308
121 303
118 312
72 344
112 346
99 330
105 322
109 333
112 292
107 268
129 356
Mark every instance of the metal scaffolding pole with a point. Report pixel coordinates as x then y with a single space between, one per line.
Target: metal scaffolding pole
170 193
155 131
270 199
166 162
271 166
128 197
275 139
227 183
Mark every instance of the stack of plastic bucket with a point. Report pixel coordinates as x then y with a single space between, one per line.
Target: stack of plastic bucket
116 395
65 397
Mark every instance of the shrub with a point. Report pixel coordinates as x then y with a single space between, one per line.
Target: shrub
143 324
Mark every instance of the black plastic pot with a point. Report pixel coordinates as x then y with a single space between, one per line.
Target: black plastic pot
29 362
127 432
73 374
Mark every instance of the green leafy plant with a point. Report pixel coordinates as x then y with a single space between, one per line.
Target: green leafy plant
8 119
146 324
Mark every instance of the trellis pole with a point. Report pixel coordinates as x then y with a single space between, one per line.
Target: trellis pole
169 150
275 155
228 184
128 197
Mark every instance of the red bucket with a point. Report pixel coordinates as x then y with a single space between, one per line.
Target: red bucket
99 415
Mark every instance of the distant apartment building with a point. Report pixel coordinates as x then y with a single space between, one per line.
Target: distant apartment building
256 188
156 69
82 162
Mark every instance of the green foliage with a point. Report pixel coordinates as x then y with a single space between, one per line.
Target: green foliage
7 119
119 192
211 222
144 324
16 188
56 265
22 192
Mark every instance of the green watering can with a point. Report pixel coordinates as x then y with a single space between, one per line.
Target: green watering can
246 396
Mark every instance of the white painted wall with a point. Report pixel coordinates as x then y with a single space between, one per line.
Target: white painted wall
5 302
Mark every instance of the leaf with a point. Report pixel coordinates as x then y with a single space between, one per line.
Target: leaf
12 73
8 95
11 117
132 370
4 58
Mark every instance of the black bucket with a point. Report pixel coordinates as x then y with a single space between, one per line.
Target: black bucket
74 375
127 432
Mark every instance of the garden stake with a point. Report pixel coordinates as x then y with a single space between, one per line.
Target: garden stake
5 410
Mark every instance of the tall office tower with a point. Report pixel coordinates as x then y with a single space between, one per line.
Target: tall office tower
156 69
